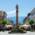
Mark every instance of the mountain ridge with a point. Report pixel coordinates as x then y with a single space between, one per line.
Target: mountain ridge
20 19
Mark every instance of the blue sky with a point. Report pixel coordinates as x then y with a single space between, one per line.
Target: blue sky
25 6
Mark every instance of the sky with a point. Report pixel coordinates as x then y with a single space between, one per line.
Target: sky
9 6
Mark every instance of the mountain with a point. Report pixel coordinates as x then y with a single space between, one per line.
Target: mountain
33 11
20 19
32 16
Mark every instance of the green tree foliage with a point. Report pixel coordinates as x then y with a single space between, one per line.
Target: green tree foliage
31 22
4 22
29 14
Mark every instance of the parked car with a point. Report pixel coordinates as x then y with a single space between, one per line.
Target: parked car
9 27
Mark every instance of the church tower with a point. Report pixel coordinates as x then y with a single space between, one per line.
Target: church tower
16 15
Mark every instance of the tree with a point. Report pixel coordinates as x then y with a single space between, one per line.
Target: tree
29 14
4 22
31 22
5 14
4 17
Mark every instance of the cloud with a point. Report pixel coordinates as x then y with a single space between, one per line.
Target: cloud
11 13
